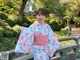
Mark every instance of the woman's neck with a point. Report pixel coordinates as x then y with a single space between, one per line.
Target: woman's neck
40 21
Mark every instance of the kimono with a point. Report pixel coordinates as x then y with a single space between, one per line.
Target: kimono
25 43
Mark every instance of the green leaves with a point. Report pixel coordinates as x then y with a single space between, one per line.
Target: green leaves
10 6
73 10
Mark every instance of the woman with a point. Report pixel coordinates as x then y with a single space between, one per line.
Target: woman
38 38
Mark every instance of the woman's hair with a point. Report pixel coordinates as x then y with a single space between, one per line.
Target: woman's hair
41 11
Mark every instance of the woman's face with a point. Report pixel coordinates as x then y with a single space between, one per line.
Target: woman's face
40 17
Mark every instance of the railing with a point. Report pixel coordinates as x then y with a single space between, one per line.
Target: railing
67 52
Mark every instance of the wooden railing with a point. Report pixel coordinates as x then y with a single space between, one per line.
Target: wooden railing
67 52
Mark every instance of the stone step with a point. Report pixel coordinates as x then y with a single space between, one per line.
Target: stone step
75 32
75 28
73 36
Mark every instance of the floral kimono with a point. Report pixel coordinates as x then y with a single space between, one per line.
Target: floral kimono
41 50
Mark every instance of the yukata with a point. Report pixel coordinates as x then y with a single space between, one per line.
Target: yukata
38 39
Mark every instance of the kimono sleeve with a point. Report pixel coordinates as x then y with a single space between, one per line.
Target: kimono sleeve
54 44
25 41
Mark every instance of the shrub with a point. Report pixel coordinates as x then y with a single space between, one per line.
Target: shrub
8 28
8 32
56 24
10 22
1 32
3 23
7 43
3 16
65 30
16 30
25 22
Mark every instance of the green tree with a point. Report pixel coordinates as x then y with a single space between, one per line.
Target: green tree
73 11
52 6
10 6
21 11
15 7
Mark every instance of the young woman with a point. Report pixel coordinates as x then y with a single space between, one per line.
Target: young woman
38 39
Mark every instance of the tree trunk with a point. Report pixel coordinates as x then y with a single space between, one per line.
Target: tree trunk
21 11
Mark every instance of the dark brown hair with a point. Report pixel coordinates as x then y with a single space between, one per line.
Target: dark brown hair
41 11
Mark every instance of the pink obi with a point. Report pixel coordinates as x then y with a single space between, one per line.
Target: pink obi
41 40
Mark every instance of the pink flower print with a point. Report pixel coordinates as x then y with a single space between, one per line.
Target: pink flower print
37 24
55 41
38 56
46 55
41 47
22 38
27 49
52 50
46 26
41 59
40 33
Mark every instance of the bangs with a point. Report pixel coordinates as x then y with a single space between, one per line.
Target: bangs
41 11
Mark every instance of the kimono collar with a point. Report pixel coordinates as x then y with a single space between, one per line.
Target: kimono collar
38 23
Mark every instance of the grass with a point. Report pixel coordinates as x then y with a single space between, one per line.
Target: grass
60 35
7 43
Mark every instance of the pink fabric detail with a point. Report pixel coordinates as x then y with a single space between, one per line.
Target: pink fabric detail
41 40
41 58
54 40
52 50
46 54
37 24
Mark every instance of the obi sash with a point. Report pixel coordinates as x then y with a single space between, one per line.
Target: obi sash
41 40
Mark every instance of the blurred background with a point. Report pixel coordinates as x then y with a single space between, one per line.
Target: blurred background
62 15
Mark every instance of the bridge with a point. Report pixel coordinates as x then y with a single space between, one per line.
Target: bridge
67 52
